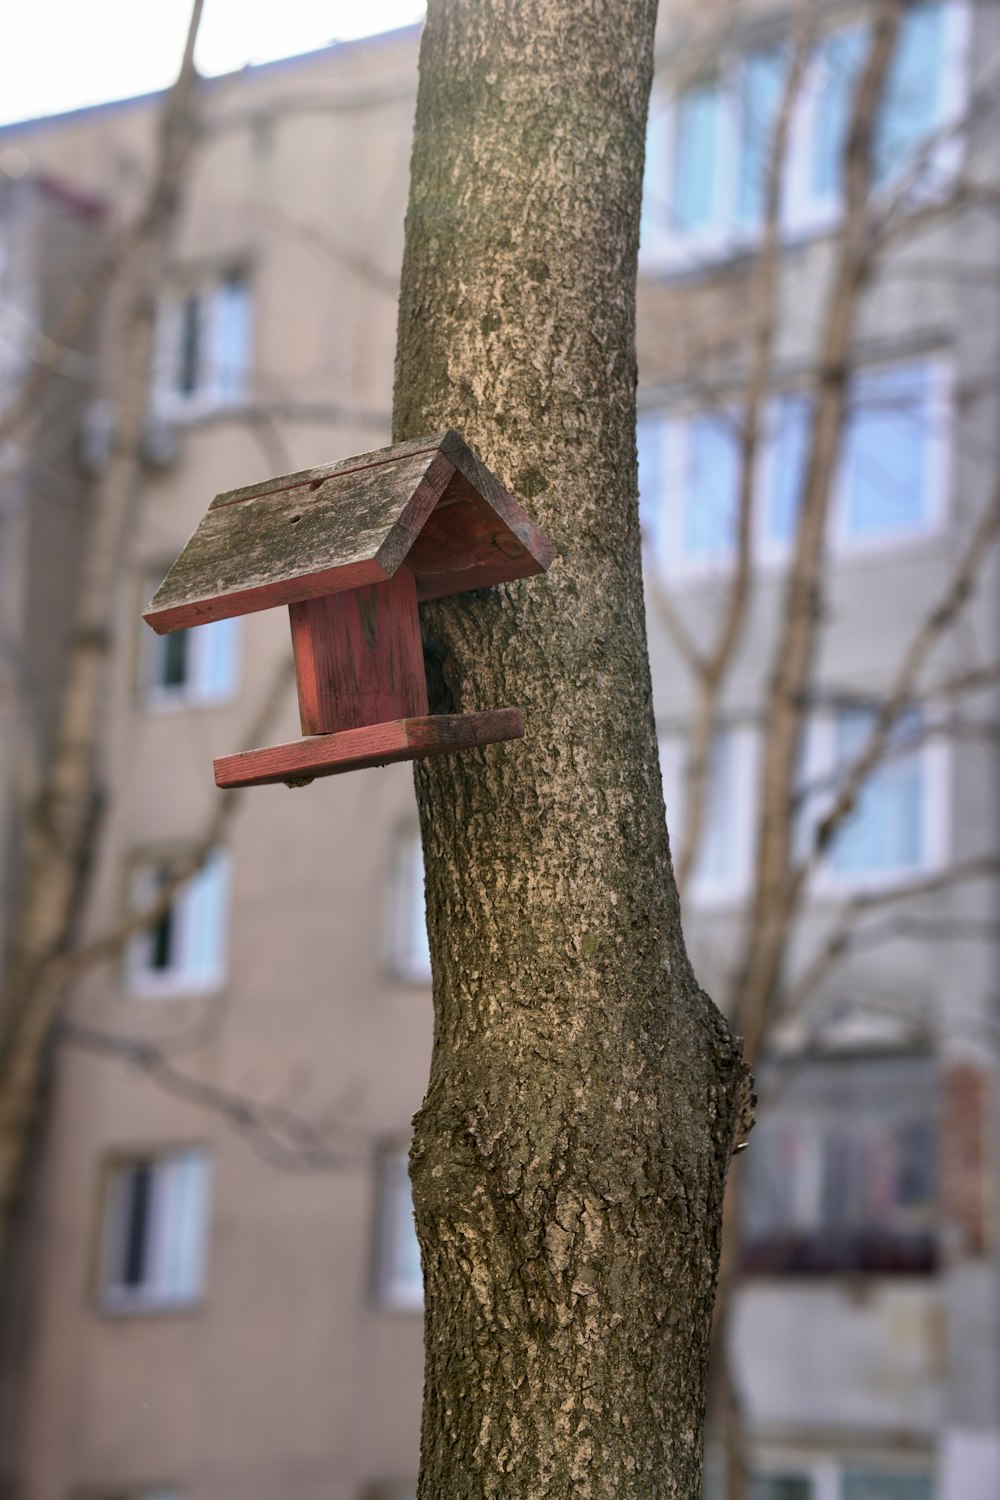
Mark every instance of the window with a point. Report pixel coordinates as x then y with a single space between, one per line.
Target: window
885 832
409 950
688 483
812 1475
761 86
891 486
861 1485
152 1253
842 1172
204 344
781 1487
708 148
722 868
915 103
184 952
190 667
893 479
399 1281
697 157
898 826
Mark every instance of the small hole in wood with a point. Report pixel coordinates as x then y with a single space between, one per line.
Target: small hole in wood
314 484
293 520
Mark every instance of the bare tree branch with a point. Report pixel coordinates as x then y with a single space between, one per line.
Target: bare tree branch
954 598
842 936
715 665
59 825
278 1135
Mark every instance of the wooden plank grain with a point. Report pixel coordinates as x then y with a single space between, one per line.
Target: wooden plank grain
349 525
373 745
296 542
359 656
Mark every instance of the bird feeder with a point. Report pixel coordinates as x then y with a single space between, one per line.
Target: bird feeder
352 548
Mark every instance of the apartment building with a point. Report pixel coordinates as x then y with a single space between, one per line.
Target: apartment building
221 1294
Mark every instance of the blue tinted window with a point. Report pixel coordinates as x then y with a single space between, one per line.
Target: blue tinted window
696 156
841 55
763 81
711 490
913 98
887 454
885 832
789 445
912 106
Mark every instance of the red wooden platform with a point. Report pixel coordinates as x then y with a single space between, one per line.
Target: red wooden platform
371 745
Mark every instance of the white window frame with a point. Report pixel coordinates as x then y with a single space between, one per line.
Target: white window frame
819 769
217 390
212 676
201 934
407 948
178 1251
730 887
392 1287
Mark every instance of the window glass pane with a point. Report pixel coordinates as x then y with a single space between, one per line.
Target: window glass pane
696 156
711 487
398 1272
184 1189
191 344
841 55
858 1485
218 643
163 934
787 457
887 468
410 953
762 81
715 857
205 900
781 1487
232 336
914 89
136 1204
885 832
173 659
842 1171
650 441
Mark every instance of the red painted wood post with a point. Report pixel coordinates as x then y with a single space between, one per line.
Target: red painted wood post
359 656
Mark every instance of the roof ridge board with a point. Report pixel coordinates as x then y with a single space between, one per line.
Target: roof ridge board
322 472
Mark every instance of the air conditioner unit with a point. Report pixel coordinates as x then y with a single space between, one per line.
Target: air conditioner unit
97 426
160 444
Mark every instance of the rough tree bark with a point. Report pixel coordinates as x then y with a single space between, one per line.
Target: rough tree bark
570 1155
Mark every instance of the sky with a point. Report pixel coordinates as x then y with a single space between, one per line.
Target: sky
63 54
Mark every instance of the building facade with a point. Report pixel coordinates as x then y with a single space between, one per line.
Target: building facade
221 1291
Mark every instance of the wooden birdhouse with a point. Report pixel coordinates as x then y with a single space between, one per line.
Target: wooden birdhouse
352 548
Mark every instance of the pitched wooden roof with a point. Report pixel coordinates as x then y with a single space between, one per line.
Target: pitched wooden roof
429 501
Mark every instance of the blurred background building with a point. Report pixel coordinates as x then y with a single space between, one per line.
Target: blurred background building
216 1287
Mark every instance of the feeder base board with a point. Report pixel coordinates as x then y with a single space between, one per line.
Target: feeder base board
372 745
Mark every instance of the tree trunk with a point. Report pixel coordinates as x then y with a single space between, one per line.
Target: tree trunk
59 824
570 1156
